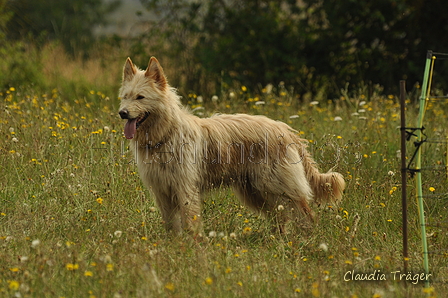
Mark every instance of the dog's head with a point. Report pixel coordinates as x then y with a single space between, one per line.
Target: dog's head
142 95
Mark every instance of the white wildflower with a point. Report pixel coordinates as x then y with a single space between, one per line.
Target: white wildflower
269 88
323 246
197 109
35 243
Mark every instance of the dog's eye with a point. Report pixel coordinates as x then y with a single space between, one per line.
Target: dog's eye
140 97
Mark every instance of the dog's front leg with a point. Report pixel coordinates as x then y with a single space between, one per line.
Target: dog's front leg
190 211
170 211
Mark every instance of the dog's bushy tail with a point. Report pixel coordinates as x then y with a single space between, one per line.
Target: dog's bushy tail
327 187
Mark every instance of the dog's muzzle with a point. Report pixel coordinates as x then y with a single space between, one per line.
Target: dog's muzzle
124 114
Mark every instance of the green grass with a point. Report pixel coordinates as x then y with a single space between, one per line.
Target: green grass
76 221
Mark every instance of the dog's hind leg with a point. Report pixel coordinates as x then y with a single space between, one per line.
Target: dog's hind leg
287 186
267 204
297 198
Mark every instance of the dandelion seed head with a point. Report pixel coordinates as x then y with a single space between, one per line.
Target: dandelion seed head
269 88
106 259
35 243
323 246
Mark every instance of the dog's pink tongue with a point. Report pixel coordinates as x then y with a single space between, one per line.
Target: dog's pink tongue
129 128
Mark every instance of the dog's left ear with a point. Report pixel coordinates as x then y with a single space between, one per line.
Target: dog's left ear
155 72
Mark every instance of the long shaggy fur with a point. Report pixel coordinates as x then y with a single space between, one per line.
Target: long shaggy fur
179 156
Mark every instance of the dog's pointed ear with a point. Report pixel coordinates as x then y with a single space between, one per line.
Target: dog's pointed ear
129 70
155 72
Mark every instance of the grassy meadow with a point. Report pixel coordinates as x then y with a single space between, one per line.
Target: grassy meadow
76 221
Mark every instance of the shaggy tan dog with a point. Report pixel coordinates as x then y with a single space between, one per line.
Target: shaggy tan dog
179 156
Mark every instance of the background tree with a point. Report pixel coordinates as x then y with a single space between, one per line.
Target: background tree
312 45
71 22
4 18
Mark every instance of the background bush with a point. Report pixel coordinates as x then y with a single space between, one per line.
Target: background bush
313 47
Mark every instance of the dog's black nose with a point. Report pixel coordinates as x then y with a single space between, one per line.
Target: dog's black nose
124 114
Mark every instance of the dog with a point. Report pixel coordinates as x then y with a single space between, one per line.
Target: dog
179 156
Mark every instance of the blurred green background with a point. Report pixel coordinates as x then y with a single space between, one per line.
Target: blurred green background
315 47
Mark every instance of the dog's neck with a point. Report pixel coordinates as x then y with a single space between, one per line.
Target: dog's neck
158 131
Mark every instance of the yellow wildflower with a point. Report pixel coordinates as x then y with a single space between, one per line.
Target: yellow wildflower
169 286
